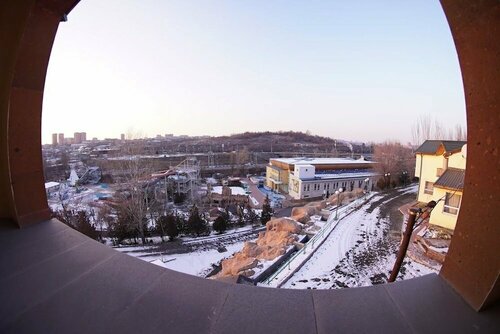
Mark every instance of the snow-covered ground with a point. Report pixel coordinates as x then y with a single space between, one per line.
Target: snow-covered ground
301 256
198 263
203 251
358 252
81 199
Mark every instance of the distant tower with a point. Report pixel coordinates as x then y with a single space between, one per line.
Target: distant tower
77 137
54 139
61 139
122 137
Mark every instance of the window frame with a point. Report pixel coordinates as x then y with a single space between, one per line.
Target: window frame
449 209
426 190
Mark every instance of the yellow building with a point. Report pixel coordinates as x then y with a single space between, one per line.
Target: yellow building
440 167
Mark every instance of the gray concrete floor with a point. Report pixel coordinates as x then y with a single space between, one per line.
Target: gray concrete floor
55 280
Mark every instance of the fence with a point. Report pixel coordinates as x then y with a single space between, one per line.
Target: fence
317 239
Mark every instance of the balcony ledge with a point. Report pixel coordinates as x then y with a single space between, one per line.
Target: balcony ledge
55 280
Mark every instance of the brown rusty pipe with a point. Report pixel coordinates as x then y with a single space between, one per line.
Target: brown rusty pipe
404 244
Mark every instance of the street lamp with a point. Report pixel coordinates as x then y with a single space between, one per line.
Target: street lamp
338 204
388 178
405 175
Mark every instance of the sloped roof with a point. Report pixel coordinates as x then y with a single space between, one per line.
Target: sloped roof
452 178
431 146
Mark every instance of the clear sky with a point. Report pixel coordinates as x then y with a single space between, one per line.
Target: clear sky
355 70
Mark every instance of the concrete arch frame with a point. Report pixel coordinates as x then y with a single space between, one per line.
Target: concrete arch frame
472 267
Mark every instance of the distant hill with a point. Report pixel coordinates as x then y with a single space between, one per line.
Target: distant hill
289 136
292 142
282 141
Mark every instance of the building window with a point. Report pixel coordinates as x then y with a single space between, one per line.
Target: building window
304 187
429 188
452 203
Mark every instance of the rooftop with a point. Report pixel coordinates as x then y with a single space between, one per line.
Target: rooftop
321 161
432 146
334 176
51 184
234 190
452 178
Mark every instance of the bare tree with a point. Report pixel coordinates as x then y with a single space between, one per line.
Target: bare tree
136 170
394 161
427 127
460 133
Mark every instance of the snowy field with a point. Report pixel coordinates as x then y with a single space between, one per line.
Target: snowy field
194 256
358 252
78 200
197 263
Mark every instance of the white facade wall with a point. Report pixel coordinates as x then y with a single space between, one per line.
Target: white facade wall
300 189
305 171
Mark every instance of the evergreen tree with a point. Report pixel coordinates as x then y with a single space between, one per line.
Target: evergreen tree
84 226
220 224
79 221
196 223
161 226
241 218
250 216
123 227
181 224
267 211
171 227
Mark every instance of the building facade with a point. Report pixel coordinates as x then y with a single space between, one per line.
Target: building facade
440 167
79 137
225 195
61 139
303 178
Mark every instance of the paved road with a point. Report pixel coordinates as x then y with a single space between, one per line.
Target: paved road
359 250
256 193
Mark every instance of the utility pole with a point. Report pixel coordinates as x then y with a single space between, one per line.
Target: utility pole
404 244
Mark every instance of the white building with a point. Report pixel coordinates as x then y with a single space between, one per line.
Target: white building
318 177
51 188
304 182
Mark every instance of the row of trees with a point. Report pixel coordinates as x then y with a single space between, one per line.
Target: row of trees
79 220
124 225
426 127
395 162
